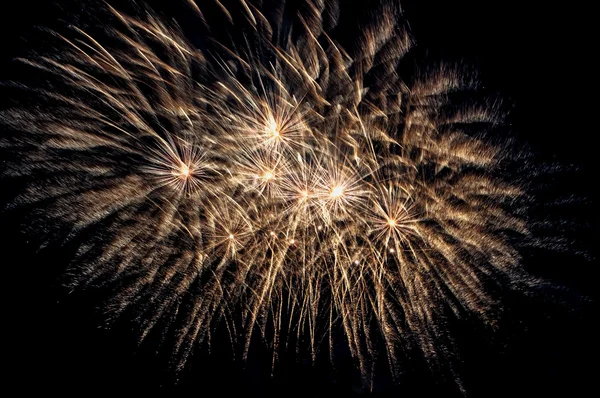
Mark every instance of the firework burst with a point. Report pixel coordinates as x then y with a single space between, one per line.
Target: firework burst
269 177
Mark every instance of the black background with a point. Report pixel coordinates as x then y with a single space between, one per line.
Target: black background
538 58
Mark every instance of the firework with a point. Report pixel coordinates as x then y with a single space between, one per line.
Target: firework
273 176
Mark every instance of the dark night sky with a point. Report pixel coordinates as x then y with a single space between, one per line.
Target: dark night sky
535 58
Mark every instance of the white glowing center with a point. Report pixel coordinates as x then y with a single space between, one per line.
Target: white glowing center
273 128
337 191
184 171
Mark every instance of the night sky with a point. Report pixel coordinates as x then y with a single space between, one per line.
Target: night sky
536 59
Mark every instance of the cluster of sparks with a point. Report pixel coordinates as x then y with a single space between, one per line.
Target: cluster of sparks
281 181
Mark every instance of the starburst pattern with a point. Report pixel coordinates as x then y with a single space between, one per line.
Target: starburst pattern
277 178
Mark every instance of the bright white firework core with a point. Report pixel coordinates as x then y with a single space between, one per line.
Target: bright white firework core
272 128
184 171
337 191
268 175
